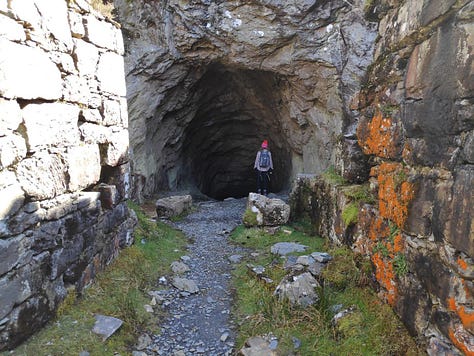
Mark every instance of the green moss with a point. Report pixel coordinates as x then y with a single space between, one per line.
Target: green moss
250 218
360 193
350 214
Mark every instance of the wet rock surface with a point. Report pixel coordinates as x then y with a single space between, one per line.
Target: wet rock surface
199 323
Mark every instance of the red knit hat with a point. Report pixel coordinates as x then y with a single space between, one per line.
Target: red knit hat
264 144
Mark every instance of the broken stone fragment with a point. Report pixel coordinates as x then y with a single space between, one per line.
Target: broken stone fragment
106 326
173 206
299 290
268 212
186 285
179 267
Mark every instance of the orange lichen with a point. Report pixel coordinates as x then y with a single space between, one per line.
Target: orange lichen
460 343
385 276
466 317
462 263
378 137
398 244
395 193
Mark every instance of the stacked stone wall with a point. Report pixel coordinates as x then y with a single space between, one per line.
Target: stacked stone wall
63 156
416 128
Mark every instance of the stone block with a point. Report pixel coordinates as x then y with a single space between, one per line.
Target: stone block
173 206
51 124
111 112
86 57
16 288
101 33
83 166
77 89
116 151
11 30
27 73
12 150
49 21
109 196
111 75
12 198
70 253
75 22
13 252
10 116
299 290
91 115
92 133
43 176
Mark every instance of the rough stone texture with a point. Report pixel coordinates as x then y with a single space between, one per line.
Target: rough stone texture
416 125
299 290
173 206
268 212
207 82
54 235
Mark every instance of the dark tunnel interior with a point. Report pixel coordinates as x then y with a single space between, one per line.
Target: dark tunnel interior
237 110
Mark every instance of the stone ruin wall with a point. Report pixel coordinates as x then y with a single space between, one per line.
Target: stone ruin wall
416 128
63 156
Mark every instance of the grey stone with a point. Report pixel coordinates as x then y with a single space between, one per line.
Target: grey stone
284 248
12 198
305 260
27 73
322 257
144 341
235 258
110 73
13 252
179 267
83 166
173 206
257 346
186 285
102 33
106 326
10 115
299 289
116 150
86 58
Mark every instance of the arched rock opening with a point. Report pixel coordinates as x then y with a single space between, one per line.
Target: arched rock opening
237 109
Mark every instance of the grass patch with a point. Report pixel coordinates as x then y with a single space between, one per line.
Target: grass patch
119 291
373 329
250 218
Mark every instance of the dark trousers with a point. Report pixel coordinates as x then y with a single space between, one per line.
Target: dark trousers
262 182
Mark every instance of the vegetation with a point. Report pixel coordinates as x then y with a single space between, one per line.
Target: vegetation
372 329
331 176
249 218
105 7
350 213
119 291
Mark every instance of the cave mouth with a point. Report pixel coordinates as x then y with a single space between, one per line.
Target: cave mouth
236 110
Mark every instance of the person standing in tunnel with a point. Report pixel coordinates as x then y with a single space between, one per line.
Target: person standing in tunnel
264 167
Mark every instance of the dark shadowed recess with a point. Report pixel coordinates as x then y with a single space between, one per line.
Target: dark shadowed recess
237 110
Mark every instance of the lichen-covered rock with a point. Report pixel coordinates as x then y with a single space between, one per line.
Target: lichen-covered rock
298 289
173 206
267 211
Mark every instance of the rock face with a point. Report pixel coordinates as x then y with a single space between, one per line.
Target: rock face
208 81
417 125
63 130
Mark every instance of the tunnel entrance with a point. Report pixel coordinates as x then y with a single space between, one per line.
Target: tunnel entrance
237 110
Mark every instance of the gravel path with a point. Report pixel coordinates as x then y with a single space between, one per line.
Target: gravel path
199 324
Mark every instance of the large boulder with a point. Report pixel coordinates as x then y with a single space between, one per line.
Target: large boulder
263 211
173 206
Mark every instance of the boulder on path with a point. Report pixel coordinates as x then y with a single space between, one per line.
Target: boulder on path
179 267
299 290
185 285
263 211
173 206
105 326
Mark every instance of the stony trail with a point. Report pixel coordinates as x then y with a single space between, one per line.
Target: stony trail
200 324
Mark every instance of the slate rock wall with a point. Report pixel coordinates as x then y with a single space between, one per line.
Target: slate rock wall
63 156
416 129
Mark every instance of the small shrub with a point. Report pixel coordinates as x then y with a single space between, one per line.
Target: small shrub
360 193
350 214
